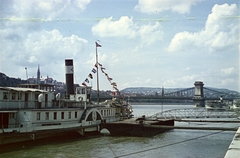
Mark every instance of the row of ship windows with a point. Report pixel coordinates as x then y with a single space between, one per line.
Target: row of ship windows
62 114
15 96
55 114
107 112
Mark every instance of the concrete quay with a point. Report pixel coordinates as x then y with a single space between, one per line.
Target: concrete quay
234 147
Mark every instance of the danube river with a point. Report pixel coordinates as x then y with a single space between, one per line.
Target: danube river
177 143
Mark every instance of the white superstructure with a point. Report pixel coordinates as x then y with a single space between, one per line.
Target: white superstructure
26 111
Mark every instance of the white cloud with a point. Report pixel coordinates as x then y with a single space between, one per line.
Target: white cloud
39 48
229 71
181 81
125 27
155 6
43 9
82 3
225 77
150 33
219 33
226 82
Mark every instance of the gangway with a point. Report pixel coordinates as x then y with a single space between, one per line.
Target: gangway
194 113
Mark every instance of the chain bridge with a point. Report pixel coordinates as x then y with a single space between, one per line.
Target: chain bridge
198 94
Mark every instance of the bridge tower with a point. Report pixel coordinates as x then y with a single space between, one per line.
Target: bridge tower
198 98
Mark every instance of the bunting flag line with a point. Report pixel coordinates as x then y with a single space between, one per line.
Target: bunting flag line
99 64
102 69
114 84
94 70
116 88
86 80
90 76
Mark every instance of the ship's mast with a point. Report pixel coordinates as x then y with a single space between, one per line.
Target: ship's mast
97 45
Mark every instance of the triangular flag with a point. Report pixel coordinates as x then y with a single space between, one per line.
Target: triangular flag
98 45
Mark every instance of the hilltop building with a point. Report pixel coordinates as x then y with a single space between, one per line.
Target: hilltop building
40 79
38 74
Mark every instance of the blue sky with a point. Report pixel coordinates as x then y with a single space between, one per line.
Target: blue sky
145 43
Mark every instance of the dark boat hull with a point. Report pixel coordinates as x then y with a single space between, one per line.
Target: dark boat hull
141 129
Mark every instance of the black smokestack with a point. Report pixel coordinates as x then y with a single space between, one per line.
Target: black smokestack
69 76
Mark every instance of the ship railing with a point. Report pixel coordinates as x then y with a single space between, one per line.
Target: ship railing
26 127
62 126
24 104
37 105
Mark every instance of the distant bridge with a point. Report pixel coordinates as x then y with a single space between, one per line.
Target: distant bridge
197 95
187 94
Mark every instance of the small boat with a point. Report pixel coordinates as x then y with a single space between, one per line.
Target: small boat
236 105
218 105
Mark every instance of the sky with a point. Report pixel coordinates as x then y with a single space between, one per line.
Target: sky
145 43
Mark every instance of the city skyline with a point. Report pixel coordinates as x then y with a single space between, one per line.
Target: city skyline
144 43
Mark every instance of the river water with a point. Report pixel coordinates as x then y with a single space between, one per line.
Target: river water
177 143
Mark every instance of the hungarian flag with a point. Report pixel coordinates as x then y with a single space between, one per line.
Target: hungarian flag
98 45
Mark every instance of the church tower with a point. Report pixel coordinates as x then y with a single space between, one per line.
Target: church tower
38 74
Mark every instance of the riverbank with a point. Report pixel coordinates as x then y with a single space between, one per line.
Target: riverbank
159 103
234 147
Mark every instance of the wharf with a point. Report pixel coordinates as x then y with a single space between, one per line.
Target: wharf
144 127
234 148
136 127
151 123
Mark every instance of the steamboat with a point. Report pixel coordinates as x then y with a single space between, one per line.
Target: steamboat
33 111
